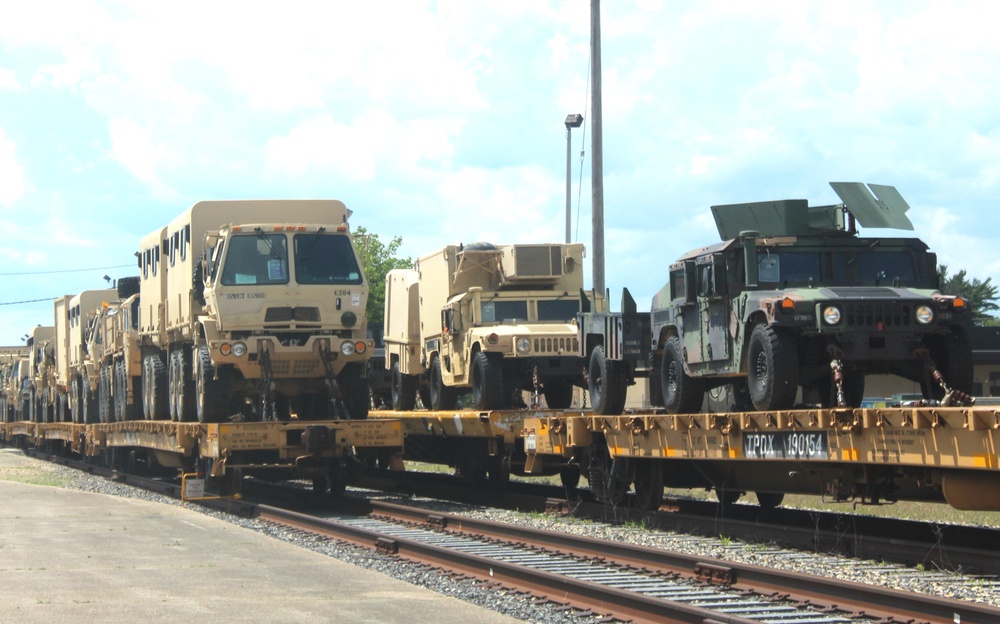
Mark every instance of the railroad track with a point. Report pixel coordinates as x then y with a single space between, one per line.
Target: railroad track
624 581
905 542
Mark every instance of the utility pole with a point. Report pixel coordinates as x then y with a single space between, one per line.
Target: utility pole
596 149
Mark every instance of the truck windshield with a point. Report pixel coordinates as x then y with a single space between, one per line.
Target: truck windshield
256 259
504 311
325 259
558 309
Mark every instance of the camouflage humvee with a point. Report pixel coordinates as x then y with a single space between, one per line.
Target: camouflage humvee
794 297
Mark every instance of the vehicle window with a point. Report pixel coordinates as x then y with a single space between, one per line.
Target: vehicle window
504 311
558 309
873 268
794 268
322 258
256 259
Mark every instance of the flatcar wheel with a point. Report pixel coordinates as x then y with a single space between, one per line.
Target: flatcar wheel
569 476
727 497
769 500
648 484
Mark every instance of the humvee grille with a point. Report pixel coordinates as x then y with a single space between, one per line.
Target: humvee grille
556 345
878 315
288 314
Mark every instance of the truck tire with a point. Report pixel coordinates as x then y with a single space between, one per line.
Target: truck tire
442 397
608 384
354 388
404 389
104 408
681 394
558 394
772 369
181 385
212 393
487 381
156 387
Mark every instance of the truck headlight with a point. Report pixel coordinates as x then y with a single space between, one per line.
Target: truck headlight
523 345
239 349
347 348
925 314
831 315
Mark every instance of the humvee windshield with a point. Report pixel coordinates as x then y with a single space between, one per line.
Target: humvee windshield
836 268
558 310
501 311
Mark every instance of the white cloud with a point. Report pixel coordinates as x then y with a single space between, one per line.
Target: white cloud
8 80
134 149
12 178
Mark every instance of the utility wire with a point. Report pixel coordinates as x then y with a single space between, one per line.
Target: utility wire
27 301
119 266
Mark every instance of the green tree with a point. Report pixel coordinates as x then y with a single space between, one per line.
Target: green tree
378 259
980 295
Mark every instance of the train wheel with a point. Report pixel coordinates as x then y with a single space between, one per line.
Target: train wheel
569 476
727 497
212 389
608 383
487 381
681 394
442 397
558 394
648 484
772 369
769 500
404 389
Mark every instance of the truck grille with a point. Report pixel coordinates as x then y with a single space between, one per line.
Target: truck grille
288 314
556 345
878 314
296 368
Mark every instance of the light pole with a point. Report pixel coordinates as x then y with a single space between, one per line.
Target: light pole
572 121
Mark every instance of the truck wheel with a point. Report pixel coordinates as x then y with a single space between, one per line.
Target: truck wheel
772 369
156 385
769 500
487 381
181 387
104 407
442 397
681 394
212 394
354 387
404 389
558 394
608 384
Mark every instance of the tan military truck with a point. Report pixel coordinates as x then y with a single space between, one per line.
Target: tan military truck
254 310
493 320
13 360
115 358
41 358
76 377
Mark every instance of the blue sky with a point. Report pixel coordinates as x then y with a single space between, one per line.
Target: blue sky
442 122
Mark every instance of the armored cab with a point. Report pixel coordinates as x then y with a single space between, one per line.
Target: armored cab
794 297
260 313
10 382
493 320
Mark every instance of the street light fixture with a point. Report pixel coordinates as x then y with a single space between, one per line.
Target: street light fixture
572 121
